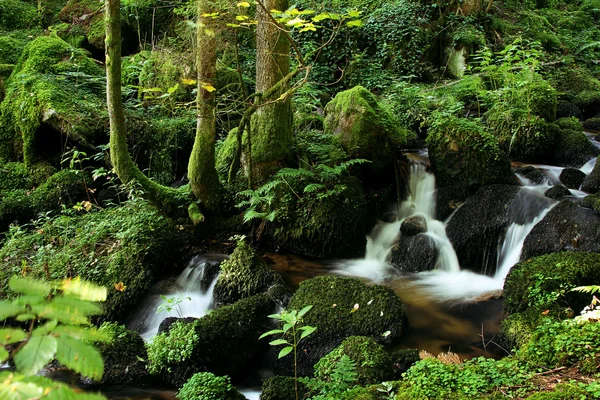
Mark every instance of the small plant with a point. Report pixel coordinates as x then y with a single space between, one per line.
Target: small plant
208 386
342 379
173 347
293 332
172 303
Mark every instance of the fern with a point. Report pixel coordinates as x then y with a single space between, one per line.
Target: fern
587 289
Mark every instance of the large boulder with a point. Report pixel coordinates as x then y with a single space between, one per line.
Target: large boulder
475 228
365 128
566 227
208 386
572 178
557 192
54 91
592 124
565 109
224 342
593 202
342 307
573 148
464 157
414 253
243 275
591 184
18 14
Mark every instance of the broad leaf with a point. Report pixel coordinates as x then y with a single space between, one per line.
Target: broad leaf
17 390
38 352
80 357
285 351
304 311
273 332
278 342
29 286
45 329
3 354
82 333
8 310
84 290
307 330
9 336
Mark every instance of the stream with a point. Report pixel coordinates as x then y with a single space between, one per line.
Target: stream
448 309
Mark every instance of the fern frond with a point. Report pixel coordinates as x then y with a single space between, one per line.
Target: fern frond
587 289
313 187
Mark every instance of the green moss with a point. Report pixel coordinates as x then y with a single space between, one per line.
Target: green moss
517 328
125 244
562 391
403 359
224 341
123 356
243 275
92 26
588 101
72 34
14 175
55 85
464 156
208 386
281 388
333 298
10 49
366 129
165 70
592 124
225 152
16 14
360 393
373 364
469 90
573 148
570 123
545 282
573 79
592 202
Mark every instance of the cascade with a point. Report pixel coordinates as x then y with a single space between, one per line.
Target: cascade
188 297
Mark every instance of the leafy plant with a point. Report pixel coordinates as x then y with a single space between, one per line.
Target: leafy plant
208 386
292 334
58 327
172 303
343 378
172 347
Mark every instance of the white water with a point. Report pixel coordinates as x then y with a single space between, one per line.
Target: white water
192 300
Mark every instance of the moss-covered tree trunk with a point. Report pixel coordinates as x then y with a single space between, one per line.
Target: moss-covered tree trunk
119 153
272 123
202 173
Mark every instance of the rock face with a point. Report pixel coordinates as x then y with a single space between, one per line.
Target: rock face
414 253
342 307
533 174
573 148
463 158
566 227
366 129
564 109
572 178
557 192
592 124
591 184
479 224
414 225
592 202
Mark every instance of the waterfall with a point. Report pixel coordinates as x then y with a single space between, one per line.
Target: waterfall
191 295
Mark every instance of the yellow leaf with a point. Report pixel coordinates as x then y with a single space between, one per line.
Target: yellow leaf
241 17
243 4
120 287
189 82
208 87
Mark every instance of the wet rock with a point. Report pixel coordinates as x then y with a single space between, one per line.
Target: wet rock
390 218
533 174
557 192
415 253
592 202
572 178
211 270
414 225
592 124
573 148
591 184
476 228
566 227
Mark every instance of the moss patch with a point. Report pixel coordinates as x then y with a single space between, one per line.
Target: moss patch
17 14
573 148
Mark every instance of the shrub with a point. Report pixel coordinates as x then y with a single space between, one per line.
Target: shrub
208 386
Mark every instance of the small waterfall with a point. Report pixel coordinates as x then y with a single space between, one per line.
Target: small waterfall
191 295
589 166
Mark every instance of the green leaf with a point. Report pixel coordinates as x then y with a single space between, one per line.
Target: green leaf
354 13
25 317
45 329
286 327
80 357
304 311
354 24
13 389
278 342
3 354
9 336
285 351
29 286
82 333
8 310
84 290
307 330
273 332
38 352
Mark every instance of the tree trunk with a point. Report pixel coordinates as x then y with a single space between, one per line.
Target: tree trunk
202 173
119 154
271 124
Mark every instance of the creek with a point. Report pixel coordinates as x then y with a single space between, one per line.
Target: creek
448 308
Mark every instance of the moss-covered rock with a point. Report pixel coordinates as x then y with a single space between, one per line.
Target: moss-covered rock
591 184
373 363
570 123
573 148
54 90
86 16
10 49
208 386
589 103
14 175
544 283
516 329
125 244
464 156
366 129
333 300
562 391
566 109
592 124
403 359
281 388
124 355
592 202
224 342
17 14
243 275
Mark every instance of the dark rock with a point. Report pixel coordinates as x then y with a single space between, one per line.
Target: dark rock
476 228
572 178
573 148
414 225
415 253
565 109
280 295
165 325
557 192
533 174
592 202
211 270
403 359
390 218
447 200
592 124
591 184
566 227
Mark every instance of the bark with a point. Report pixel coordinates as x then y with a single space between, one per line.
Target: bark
121 160
202 173
271 124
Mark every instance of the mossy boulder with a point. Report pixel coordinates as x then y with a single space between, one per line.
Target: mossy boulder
544 283
591 184
571 123
10 49
572 178
589 103
464 157
557 192
566 109
116 245
366 129
14 175
124 356
592 124
335 314
373 363
54 91
562 391
592 202
403 359
208 386
243 275
566 227
224 342
18 14
516 329
573 148
281 388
